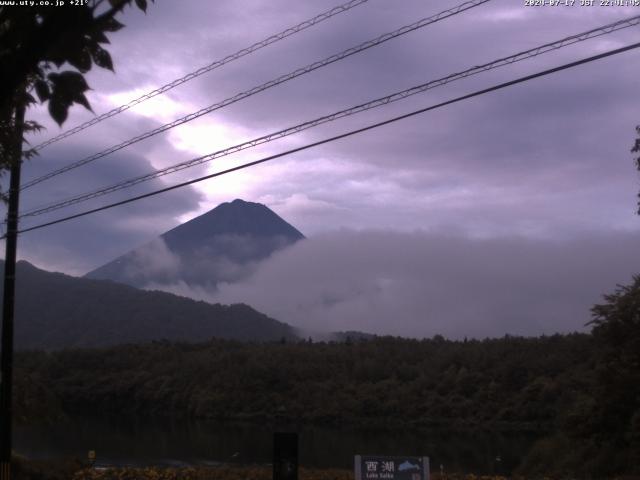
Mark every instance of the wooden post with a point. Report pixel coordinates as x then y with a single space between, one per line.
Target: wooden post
6 357
285 456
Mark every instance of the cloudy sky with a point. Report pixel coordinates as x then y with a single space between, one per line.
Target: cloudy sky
524 198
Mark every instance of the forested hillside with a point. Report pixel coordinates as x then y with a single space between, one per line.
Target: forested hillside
57 311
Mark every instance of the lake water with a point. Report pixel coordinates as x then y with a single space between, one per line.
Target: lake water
183 443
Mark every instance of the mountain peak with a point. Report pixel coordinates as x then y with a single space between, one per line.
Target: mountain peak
231 218
223 244
238 203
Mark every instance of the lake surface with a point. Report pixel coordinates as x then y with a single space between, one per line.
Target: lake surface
119 442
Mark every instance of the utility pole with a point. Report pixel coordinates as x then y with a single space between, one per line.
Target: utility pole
6 383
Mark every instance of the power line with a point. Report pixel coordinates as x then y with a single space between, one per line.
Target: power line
212 66
271 83
341 136
596 32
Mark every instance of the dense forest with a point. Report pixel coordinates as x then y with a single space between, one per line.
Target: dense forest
579 392
510 382
506 383
543 384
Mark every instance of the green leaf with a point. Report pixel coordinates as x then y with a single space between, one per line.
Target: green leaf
101 57
142 5
58 110
53 78
42 90
29 154
68 83
118 3
80 59
112 25
99 37
57 59
32 126
82 100
68 88
28 99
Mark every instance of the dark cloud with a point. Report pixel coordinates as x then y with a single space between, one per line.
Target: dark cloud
85 243
548 159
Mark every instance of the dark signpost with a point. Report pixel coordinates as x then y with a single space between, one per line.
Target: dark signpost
370 467
285 456
6 356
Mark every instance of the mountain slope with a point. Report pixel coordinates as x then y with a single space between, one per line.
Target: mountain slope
56 311
223 244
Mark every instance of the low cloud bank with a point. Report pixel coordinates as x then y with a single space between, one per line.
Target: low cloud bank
225 258
422 284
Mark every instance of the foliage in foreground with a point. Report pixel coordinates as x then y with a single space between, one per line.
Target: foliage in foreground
69 471
59 469
38 44
236 473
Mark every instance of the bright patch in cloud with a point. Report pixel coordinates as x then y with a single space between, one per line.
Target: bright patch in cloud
162 107
206 136
508 14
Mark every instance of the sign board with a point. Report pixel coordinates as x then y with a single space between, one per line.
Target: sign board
370 467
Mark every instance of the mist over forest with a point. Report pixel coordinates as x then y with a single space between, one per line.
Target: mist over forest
422 284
